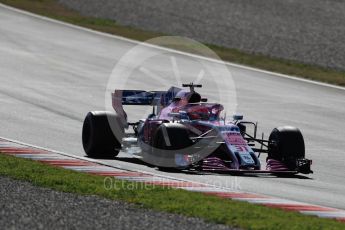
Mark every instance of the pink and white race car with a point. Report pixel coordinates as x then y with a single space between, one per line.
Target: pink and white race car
186 132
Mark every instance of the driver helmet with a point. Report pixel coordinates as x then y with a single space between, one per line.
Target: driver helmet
191 97
181 94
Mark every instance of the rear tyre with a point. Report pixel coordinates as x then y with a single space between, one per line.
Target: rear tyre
286 144
169 136
98 138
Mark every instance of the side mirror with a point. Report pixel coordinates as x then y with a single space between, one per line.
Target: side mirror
237 117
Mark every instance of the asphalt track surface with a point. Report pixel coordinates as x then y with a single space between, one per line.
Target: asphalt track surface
53 74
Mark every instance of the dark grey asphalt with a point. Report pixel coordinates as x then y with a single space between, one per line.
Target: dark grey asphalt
24 206
311 31
52 75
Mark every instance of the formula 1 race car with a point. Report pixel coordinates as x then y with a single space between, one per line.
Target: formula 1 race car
186 132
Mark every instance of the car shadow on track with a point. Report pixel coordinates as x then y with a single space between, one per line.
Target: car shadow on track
256 175
195 172
126 159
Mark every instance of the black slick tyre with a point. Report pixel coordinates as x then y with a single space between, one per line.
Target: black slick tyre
169 136
98 138
286 144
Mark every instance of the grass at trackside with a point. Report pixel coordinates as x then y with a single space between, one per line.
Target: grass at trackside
51 8
212 209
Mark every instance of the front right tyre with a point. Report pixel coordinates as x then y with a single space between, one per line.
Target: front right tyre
169 139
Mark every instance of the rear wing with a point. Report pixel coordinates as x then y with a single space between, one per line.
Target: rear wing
141 97
138 97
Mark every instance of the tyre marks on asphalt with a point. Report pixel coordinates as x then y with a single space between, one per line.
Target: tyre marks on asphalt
68 162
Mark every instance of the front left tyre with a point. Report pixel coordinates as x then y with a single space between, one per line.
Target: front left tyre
102 134
286 144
